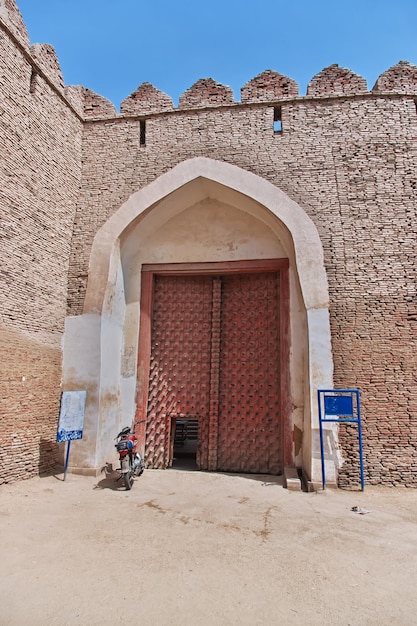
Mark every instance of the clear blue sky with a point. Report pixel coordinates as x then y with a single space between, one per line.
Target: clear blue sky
112 47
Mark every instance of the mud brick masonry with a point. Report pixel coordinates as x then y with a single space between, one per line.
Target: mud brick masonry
102 213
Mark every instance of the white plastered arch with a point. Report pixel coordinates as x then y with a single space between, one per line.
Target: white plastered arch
306 241
303 247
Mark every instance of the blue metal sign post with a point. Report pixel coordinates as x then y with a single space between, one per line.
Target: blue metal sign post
340 406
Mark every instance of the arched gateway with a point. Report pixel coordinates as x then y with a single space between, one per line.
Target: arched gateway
207 297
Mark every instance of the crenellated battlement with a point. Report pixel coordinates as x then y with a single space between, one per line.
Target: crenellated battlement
267 87
146 99
206 92
270 86
336 81
399 79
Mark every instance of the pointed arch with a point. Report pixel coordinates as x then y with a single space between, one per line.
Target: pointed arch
307 248
113 294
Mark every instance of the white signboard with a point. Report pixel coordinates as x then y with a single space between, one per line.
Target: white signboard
71 416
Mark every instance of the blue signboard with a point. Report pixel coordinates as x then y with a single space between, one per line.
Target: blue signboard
71 416
340 406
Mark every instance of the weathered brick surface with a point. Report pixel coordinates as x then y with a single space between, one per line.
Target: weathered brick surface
45 55
75 94
10 15
30 374
348 157
39 185
40 167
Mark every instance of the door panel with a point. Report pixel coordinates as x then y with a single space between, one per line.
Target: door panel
249 420
180 360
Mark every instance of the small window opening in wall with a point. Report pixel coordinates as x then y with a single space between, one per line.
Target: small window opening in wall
277 120
33 82
142 133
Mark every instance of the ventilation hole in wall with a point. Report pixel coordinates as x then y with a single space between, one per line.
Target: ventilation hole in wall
277 120
33 81
142 133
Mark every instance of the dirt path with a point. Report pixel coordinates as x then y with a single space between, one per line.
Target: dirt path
193 548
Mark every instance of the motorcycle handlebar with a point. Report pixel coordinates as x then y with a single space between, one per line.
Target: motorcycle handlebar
128 429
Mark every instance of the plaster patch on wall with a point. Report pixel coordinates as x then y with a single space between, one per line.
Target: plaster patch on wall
129 362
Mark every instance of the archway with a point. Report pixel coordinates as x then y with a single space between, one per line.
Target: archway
200 211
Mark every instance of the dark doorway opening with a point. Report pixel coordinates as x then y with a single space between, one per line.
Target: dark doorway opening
185 444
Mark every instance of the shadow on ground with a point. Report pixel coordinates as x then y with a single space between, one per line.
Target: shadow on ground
112 481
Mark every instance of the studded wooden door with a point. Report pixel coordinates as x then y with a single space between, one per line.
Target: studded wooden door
179 381
249 403
215 356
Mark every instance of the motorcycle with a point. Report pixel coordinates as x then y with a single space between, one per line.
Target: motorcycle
131 462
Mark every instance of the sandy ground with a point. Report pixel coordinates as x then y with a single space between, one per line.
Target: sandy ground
193 548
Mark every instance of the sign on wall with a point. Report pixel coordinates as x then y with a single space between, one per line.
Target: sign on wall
71 415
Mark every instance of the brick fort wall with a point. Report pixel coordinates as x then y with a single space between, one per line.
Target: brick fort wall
345 154
40 170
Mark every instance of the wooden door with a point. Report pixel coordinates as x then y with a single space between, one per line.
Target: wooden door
215 356
179 378
249 401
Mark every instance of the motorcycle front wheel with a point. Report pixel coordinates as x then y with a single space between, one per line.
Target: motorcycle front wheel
128 479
